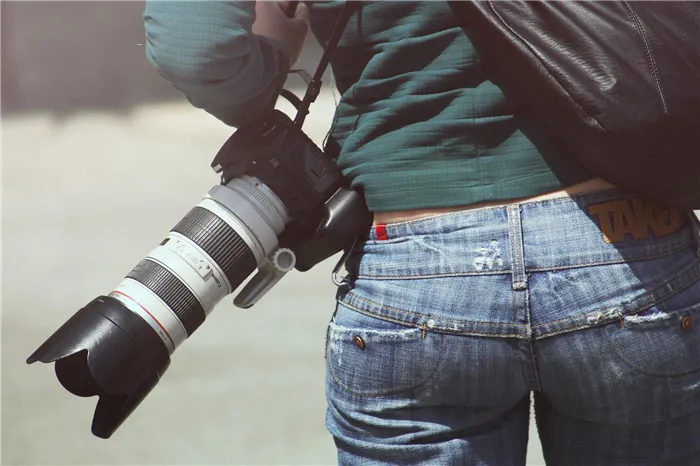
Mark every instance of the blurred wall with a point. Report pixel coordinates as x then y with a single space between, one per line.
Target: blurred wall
68 56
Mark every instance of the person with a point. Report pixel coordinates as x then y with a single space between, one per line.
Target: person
497 269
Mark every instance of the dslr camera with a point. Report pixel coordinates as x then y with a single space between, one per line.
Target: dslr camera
282 204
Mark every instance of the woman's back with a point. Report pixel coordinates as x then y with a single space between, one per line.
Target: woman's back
420 123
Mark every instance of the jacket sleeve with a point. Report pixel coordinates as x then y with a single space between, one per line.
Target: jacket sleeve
207 50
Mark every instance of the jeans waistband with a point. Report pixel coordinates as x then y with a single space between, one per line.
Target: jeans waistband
600 227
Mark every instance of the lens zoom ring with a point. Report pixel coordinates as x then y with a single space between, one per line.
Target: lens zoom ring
172 291
220 241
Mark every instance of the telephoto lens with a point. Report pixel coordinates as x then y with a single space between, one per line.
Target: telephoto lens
119 345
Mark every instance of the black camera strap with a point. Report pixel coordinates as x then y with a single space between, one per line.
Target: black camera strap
314 86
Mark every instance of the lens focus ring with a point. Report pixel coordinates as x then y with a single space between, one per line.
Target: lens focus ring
172 291
220 242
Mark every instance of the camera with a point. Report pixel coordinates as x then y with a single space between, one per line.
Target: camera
282 204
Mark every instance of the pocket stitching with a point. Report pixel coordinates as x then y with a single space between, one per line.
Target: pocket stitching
388 334
617 350
438 365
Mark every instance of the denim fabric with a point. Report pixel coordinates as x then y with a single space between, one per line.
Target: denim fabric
448 326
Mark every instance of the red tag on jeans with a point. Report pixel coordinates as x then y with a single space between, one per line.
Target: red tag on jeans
381 232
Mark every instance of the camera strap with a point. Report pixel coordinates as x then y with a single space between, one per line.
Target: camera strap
312 91
314 85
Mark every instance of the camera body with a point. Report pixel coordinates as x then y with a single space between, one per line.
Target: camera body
325 213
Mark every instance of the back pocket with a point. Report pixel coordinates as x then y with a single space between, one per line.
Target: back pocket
664 340
369 356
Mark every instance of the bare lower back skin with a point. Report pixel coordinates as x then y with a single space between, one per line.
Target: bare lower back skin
595 184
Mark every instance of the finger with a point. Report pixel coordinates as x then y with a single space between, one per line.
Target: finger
280 5
302 12
271 7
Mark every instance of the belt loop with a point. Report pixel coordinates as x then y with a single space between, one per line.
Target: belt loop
515 236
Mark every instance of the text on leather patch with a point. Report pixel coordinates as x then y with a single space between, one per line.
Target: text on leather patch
637 218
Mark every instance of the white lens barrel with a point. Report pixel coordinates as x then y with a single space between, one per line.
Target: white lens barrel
205 257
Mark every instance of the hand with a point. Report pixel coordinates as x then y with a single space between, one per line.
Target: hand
289 33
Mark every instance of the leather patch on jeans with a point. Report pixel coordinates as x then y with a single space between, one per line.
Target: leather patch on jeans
637 218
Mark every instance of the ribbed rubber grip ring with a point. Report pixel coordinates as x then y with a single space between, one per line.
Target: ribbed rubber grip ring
223 244
172 291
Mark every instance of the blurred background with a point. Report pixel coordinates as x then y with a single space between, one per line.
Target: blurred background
100 158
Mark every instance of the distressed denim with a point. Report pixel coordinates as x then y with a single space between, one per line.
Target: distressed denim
447 326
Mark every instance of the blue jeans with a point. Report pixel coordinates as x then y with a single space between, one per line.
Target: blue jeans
447 326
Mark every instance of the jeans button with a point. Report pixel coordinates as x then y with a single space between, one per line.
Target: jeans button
359 342
687 323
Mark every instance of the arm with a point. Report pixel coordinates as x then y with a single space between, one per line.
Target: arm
209 51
